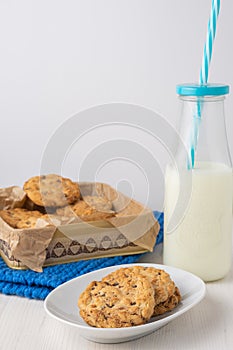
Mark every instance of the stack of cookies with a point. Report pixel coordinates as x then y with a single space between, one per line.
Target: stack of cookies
128 297
55 200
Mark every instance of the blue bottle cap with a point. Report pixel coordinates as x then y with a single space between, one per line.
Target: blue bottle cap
202 90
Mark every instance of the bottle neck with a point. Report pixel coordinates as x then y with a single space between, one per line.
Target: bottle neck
202 98
202 130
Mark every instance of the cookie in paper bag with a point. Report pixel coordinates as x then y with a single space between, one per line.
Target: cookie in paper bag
98 202
51 190
85 212
20 218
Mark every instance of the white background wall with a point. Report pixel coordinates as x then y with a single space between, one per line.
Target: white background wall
60 57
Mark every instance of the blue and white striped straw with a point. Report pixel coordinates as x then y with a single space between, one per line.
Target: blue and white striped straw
204 73
211 32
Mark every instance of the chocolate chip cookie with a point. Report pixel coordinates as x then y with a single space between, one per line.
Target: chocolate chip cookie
51 190
99 203
84 211
20 218
164 288
129 302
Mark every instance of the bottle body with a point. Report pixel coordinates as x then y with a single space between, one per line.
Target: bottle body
198 203
202 241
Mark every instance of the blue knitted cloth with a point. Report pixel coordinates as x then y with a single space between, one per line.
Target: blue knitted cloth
34 285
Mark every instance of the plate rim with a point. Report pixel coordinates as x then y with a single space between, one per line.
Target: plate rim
125 329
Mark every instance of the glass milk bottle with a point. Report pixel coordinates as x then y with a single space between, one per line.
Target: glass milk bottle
198 186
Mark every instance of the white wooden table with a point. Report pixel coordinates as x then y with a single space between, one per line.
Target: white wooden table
24 325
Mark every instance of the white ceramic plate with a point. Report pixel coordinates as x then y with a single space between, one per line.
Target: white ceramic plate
61 304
